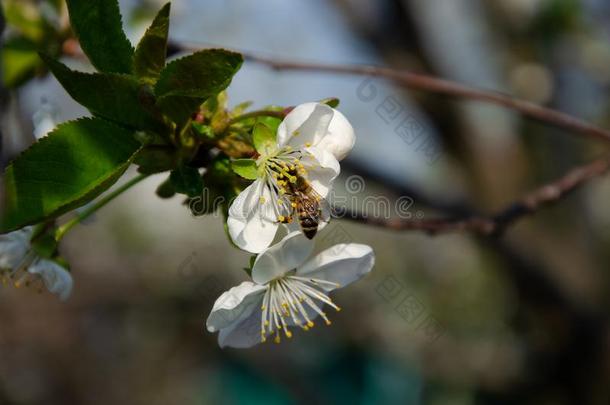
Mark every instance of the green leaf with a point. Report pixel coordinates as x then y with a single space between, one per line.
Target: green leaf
264 139
246 168
187 82
186 180
97 24
19 59
116 97
149 58
64 170
332 102
200 75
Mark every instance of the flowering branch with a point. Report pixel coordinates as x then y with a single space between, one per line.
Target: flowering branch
494 225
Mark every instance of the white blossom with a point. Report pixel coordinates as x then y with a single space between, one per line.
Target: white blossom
311 140
21 266
289 289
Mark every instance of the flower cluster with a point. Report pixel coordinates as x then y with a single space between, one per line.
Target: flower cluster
293 173
291 168
271 169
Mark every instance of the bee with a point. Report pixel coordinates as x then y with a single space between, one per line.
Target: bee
307 204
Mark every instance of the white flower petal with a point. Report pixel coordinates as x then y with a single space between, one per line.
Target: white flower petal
322 169
286 255
243 334
252 224
14 246
342 264
235 305
56 278
311 122
340 137
305 124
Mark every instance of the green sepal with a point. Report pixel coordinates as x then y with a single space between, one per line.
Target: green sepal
264 139
45 246
332 102
166 189
248 269
246 168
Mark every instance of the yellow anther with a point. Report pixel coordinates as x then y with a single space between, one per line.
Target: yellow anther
282 191
277 339
281 218
338 309
262 200
310 324
305 328
262 307
293 204
288 334
328 322
266 323
296 133
307 144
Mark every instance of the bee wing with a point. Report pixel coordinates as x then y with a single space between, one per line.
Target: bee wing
309 203
325 211
320 206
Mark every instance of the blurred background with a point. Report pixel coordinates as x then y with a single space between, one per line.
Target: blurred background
450 319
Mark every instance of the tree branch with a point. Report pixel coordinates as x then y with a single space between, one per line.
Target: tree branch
446 87
493 225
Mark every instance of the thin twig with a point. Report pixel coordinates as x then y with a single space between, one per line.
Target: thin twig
441 86
492 225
